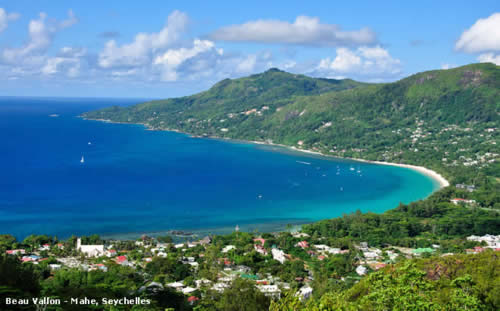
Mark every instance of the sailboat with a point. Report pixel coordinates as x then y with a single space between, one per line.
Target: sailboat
82 160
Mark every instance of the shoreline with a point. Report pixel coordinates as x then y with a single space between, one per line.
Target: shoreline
438 178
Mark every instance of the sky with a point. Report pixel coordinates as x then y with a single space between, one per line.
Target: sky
160 49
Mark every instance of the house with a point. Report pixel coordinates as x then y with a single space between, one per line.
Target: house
122 260
305 292
220 287
300 235
469 188
44 247
192 300
270 290
243 269
260 249
26 259
278 255
202 282
491 241
475 250
228 248
176 285
161 254
361 270
188 290
89 250
15 252
55 267
457 201
303 244
101 267
110 253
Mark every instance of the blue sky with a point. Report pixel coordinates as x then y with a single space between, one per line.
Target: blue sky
163 48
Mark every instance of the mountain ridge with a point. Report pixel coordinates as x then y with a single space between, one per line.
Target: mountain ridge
409 121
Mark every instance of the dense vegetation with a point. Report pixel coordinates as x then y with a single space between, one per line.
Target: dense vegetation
458 282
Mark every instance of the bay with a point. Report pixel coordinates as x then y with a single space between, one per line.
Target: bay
136 181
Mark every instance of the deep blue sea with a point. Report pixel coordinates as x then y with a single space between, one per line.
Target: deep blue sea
138 181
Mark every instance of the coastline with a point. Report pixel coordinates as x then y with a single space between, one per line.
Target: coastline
438 178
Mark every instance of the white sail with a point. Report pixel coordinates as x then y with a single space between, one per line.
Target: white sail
82 160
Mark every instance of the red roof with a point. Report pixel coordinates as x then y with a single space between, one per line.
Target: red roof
303 244
193 298
15 251
121 258
321 257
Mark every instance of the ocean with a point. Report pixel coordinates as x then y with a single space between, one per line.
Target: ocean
135 181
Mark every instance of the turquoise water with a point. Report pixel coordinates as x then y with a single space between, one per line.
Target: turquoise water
135 181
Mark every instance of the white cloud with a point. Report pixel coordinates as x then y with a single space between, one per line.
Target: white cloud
483 36
41 33
173 58
247 64
304 30
5 18
345 61
361 62
489 58
139 52
68 61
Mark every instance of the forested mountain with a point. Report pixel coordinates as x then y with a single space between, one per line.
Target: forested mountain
446 120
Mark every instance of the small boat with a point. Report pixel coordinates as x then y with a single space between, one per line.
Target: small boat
82 160
302 162
351 168
89 143
341 188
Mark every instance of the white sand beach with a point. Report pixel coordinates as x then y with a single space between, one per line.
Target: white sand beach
423 170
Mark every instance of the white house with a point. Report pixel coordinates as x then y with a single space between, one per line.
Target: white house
270 290
89 250
228 248
361 270
278 255
305 292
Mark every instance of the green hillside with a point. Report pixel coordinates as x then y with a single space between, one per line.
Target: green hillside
446 120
